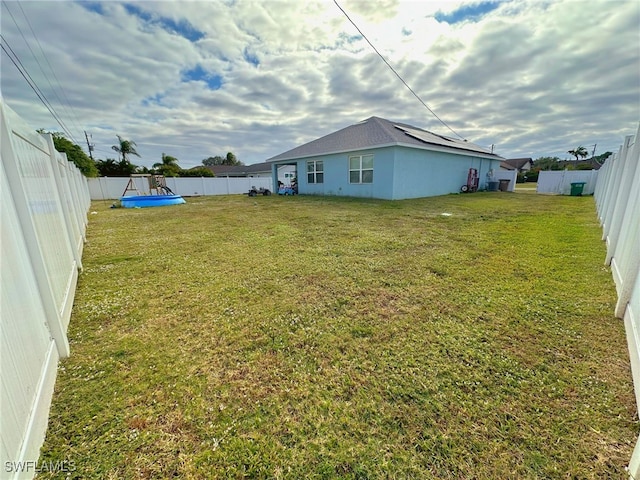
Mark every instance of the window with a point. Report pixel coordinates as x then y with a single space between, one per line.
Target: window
361 169
315 171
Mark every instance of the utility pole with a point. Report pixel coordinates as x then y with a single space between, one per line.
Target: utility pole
89 145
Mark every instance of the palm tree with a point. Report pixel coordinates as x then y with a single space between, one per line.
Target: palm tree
168 167
578 152
125 148
107 167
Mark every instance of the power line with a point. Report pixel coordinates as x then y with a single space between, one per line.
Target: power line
397 74
32 83
50 68
25 74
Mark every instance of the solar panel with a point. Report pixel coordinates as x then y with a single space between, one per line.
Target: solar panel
434 139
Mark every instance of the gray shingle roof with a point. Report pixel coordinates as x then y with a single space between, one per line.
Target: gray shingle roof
507 166
378 132
518 162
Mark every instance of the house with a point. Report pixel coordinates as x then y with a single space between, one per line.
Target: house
521 164
286 173
505 166
378 158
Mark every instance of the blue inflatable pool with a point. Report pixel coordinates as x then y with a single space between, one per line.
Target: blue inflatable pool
141 201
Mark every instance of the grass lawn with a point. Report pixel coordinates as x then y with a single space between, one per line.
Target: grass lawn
318 337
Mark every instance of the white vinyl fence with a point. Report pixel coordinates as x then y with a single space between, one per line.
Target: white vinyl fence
560 181
112 188
511 175
617 196
44 204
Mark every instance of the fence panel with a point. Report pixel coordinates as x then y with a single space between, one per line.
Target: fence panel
29 354
511 175
40 234
618 205
112 188
63 186
559 182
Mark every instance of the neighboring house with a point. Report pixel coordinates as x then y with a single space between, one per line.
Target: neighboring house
286 173
378 158
523 165
505 166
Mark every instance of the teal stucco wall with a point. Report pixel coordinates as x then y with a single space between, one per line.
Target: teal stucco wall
421 173
336 175
398 173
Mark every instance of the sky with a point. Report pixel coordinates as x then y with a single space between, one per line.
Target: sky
198 79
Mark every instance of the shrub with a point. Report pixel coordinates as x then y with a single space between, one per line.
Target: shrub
197 172
532 176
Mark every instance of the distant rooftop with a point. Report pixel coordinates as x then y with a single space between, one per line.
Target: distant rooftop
239 170
516 163
378 132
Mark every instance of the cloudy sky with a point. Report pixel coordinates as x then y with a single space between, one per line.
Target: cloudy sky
198 79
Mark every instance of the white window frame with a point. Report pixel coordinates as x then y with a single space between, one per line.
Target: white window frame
360 170
314 173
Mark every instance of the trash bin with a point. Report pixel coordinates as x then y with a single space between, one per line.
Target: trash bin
504 185
576 188
492 186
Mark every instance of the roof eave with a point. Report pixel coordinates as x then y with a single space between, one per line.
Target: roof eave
432 148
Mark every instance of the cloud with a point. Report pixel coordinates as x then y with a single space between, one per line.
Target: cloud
196 79
471 12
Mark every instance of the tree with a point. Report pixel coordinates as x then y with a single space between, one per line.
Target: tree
602 157
232 160
74 153
197 172
107 168
229 159
217 160
578 152
125 148
547 163
114 168
168 167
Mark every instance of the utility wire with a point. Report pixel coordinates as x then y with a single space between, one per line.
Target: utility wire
29 46
397 74
32 83
68 103
25 74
